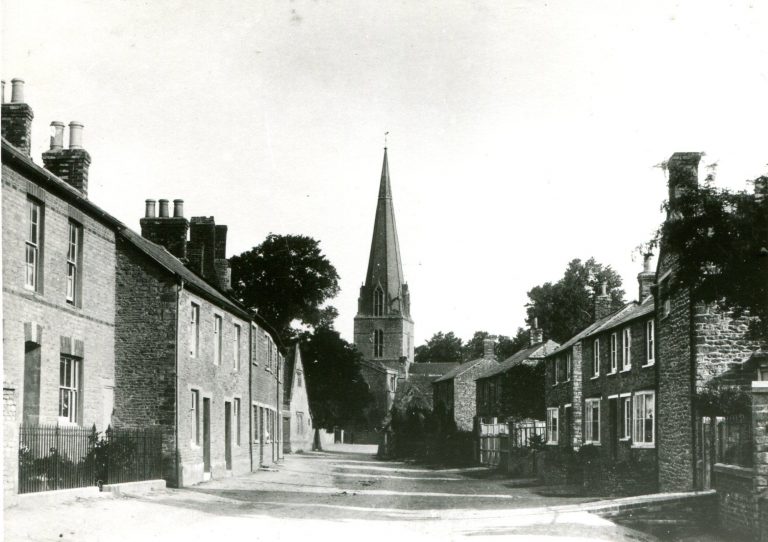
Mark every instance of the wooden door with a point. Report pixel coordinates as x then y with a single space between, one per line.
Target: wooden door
206 434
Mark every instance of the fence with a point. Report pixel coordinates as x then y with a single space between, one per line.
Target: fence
55 457
496 440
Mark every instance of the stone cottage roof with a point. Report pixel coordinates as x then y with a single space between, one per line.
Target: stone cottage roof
533 353
592 328
432 370
631 311
461 369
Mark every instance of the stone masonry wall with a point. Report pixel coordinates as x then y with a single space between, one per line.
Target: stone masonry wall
220 383
464 394
10 446
264 385
145 373
43 317
674 405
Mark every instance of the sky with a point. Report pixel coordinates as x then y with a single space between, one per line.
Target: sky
522 134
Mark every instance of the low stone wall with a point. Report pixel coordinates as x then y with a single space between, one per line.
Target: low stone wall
736 499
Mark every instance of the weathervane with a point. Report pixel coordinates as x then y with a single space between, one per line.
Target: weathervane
385 139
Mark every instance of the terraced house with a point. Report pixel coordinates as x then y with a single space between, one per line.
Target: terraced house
104 327
59 275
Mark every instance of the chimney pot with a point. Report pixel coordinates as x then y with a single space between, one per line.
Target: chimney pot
75 135
647 262
489 346
149 211
17 91
2 90
163 208
178 208
57 135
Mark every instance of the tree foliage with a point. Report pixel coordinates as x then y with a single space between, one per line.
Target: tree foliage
721 238
567 306
286 278
441 348
337 393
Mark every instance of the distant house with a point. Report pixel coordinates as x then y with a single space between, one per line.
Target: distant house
454 393
498 388
298 429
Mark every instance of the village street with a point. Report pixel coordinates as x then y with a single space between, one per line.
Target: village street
341 494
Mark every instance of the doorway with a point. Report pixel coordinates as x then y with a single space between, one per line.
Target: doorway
206 434
228 434
286 435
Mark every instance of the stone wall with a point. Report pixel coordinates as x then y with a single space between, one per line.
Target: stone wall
737 503
675 420
265 386
465 394
145 373
10 446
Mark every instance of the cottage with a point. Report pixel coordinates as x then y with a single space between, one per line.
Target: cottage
454 393
298 430
498 388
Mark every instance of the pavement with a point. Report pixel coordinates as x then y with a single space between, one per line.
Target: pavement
343 493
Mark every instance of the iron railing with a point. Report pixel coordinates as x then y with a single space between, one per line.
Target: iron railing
55 457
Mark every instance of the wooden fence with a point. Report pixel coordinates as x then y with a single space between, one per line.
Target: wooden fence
497 440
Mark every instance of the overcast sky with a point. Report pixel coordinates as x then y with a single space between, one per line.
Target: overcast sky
522 134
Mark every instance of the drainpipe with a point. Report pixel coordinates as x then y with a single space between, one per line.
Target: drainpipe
179 288
251 421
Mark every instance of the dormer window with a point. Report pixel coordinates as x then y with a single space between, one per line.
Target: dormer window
378 301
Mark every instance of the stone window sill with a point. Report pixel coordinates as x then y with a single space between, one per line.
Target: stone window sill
649 445
595 377
626 370
612 373
649 364
592 442
551 443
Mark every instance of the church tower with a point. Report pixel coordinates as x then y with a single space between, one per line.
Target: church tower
383 325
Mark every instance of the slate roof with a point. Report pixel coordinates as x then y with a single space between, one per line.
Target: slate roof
535 352
627 313
431 369
288 366
459 370
157 253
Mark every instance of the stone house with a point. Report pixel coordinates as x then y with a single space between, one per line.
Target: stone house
59 273
702 348
105 327
497 388
208 375
454 393
298 430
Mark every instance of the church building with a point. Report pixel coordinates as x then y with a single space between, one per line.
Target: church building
383 325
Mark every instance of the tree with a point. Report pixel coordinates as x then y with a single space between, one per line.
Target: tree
566 307
338 394
440 348
721 238
286 278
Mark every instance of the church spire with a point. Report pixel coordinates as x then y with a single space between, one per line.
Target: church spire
385 269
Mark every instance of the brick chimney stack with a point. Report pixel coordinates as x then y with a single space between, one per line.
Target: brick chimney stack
207 251
535 334
489 348
683 168
169 232
646 278
17 118
70 165
602 302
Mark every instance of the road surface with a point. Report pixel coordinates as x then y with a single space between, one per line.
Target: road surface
341 494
